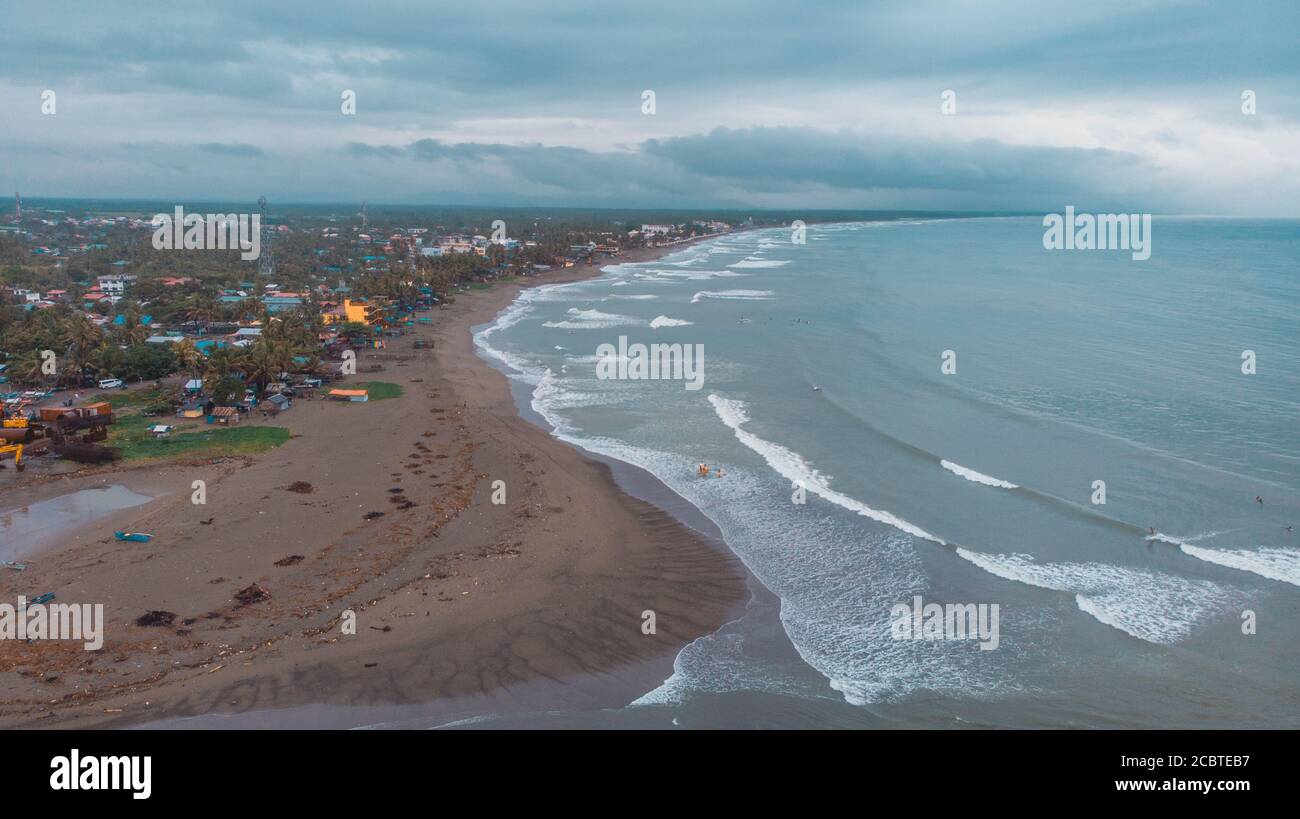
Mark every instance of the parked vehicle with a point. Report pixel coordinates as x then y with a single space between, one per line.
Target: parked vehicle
112 384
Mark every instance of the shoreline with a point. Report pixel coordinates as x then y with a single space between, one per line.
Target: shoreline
539 600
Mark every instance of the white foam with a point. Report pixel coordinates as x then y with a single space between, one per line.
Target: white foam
977 477
698 275
1152 606
593 320
1273 562
744 295
752 262
1161 537
639 297
791 465
665 321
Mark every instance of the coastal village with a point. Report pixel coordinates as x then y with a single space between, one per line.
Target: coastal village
93 318
239 457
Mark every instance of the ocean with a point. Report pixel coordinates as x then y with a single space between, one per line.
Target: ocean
936 409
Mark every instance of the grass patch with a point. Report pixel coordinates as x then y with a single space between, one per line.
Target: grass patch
131 435
136 398
379 390
491 284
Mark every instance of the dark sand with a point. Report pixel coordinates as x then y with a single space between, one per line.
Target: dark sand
462 606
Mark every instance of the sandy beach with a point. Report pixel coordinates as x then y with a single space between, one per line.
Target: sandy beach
458 600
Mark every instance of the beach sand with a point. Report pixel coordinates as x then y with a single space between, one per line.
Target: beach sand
462 605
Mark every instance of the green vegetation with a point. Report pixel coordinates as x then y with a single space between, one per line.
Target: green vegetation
488 285
379 390
131 435
148 396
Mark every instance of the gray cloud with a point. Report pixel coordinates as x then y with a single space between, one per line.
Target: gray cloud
231 149
259 84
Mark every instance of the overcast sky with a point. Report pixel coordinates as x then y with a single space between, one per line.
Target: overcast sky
1133 105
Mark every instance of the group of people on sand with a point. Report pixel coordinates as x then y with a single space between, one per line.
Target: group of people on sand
704 471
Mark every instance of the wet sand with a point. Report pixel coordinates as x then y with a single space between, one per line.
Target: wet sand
462 605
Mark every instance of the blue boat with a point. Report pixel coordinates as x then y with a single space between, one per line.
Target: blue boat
137 537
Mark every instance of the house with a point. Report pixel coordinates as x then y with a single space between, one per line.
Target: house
115 284
355 396
194 385
279 302
224 415
160 430
360 311
279 402
190 409
245 336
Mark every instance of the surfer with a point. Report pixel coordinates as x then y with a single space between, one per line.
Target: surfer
1259 500
1151 530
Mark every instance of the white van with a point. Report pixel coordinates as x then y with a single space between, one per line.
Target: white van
112 384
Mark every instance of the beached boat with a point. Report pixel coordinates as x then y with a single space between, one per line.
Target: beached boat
137 537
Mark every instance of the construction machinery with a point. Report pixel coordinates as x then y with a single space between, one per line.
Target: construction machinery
11 442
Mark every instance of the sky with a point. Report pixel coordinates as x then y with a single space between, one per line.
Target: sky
1131 106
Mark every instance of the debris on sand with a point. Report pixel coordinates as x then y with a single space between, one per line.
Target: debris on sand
301 487
252 594
156 618
289 561
372 515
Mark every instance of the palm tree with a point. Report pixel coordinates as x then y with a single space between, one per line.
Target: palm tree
202 309
221 363
248 308
84 339
188 357
263 362
27 369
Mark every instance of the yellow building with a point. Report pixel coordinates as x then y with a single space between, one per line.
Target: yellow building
360 311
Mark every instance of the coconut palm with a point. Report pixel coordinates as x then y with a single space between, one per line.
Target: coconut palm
27 369
202 309
84 339
188 357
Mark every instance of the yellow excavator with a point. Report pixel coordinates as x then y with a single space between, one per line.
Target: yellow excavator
16 448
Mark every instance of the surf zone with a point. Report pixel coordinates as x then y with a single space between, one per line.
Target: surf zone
953 621
651 362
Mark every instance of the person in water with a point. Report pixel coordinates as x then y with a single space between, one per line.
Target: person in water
1151 530
1259 500
704 471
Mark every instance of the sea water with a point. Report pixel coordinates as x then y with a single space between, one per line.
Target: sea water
939 408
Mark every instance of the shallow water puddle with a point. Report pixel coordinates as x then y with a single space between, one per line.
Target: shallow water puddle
26 528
